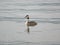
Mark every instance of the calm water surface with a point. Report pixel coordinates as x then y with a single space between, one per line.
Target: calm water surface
13 30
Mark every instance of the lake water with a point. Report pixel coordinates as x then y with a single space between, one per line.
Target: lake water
13 30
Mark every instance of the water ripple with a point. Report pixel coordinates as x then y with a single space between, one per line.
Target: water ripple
34 4
39 20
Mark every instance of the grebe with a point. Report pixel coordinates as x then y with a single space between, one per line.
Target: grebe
30 23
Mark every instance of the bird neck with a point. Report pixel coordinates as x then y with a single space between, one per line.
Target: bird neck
27 20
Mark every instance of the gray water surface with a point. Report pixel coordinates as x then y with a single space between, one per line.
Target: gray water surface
13 30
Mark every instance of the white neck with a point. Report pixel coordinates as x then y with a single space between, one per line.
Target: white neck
27 20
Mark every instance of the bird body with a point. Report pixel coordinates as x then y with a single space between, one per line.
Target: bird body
31 23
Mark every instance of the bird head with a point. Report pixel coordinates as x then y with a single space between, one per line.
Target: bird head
27 16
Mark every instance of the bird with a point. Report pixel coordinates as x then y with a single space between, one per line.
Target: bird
30 23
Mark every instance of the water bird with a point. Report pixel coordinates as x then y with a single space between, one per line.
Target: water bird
30 23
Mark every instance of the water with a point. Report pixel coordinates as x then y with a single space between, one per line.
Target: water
13 30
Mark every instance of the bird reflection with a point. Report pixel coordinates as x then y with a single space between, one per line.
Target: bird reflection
28 29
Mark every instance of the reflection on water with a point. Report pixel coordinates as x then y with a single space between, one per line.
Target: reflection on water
28 29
